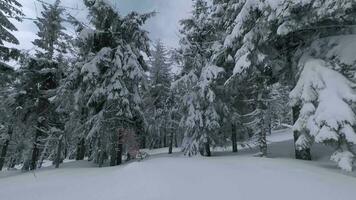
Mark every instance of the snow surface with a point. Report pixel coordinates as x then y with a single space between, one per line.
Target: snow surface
176 177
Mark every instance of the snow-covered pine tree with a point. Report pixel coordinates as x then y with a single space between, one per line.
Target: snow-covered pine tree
38 83
157 109
197 82
36 86
52 40
8 9
273 33
7 76
113 74
327 115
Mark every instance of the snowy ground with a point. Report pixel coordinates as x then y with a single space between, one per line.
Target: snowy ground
175 177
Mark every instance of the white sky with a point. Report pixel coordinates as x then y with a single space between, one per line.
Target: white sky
164 25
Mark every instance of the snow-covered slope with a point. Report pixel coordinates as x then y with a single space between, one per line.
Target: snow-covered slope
176 177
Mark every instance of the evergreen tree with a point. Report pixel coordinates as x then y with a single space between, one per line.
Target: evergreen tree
39 79
157 109
327 115
52 40
112 75
8 9
197 82
268 37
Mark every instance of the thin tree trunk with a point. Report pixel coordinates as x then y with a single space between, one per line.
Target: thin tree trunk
234 138
119 154
303 154
81 149
170 149
59 151
207 148
39 165
114 149
4 148
263 143
35 152
165 138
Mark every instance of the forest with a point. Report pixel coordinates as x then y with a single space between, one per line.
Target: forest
246 68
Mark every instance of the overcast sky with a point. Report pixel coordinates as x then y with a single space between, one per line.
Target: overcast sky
164 25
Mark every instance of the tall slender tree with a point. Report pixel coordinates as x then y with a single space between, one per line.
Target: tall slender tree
157 109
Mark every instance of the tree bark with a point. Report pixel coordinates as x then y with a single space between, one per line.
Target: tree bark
119 154
233 138
4 148
35 152
263 143
81 149
59 151
207 148
303 154
114 149
170 149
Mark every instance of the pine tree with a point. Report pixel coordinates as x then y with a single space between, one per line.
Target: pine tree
38 83
157 109
199 76
317 122
270 36
112 75
53 41
8 9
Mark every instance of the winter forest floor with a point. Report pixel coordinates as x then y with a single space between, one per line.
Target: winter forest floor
226 175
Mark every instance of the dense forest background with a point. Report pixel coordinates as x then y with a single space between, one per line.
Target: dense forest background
247 67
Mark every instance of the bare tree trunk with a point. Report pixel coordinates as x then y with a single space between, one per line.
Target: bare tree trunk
35 152
170 149
303 154
42 157
4 147
114 149
207 148
233 138
119 147
263 142
81 149
59 151
165 138
119 154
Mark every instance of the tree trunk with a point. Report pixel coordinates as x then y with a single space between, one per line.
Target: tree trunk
119 154
143 142
4 148
207 148
81 149
233 138
114 149
263 143
303 154
101 158
165 139
170 149
35 152
59 151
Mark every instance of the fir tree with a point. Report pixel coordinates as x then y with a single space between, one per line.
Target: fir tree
52 39
197 82
113 73
8 9
156 101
